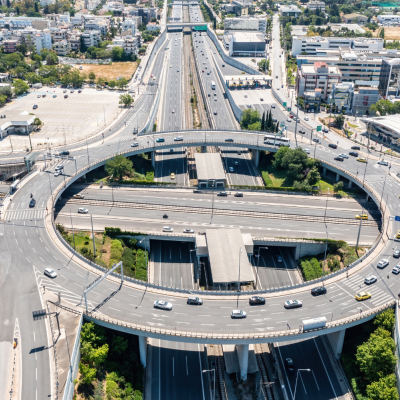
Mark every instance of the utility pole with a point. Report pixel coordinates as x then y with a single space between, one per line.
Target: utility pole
94 245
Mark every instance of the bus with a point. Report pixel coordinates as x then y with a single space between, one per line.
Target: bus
276 140
14 185
212 85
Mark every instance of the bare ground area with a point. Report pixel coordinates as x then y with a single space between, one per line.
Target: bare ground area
113 71
391 33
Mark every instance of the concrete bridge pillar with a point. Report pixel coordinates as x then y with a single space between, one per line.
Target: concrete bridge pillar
153 159
256 157
323 171
350 184
143 349
243 356
204 149
336 340
337 177
367 197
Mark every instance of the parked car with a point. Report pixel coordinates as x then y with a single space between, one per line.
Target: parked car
160 140
396 270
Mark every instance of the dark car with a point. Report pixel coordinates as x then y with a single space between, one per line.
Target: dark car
355 147
339 158
318 290
303 132
256 300
326 130
289 364
195 301
79 91
353 153
35 107
333 145
160 140
316 140
222 194
238 194
32 203
229 140
64 153
66 96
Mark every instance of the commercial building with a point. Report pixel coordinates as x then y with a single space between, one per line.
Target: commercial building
314 5
210 171
290 11
385 129
342 96
384 19
244 44
312 100
301 30
145 13
317 76
389 78
355 18
363 99
246 24
319 45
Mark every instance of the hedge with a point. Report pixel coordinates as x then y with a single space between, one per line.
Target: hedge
114 232
278 189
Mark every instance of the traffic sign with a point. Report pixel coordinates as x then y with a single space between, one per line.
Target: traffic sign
289 108
319 128
397 218
284 104
282 123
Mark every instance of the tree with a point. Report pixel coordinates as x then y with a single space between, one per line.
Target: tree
313 176
126 100
382 107
382 33
93 334
112 84
37 122
386 319
119 166
277 127
117 53
263 122
36 6
119 345
249 117
20 87
51 58
384 389
121 83
88 375
339 121
3 100
215 24
22 48
262 65
337 187
92 76
375 357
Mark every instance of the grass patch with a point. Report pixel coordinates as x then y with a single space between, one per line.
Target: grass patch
352 125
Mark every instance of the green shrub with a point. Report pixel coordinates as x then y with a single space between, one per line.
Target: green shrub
311 268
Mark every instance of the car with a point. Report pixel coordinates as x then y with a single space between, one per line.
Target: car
72 91
54 96
172 176
396 270
223 194
339 158
167 229
229 140
50 273
78 196
159 140
230 169
326 130
307 151
59 167
256 300
215 112
238 194
293 304
32 203
178 138
363 296
288 120
276 76
305 118
39 96
343 155
238 314
261 99
353 153
66 96
245 96
398 235
289 364
35 107
383 162
57 173
135 144
300 131
64 153
363 160
370 279
187 230
82 210
363 216
316 140
223 65
64 91
80 91
355 147
396 254
279 258
318 290
163 305
197 301
382 263
215 99
332 145
173 111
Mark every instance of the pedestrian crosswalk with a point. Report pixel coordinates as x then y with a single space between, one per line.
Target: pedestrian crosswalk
25 215
374 178
379 296
122 137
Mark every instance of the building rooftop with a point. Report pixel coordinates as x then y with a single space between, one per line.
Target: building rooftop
289 9
311 69
243 36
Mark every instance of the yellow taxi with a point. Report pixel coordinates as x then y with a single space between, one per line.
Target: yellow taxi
398 235
362 160
363 216
363 296
172 176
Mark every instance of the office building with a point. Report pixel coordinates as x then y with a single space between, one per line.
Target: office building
244 44
314 5
342 96
363 99
246 24
290 11
384 19
389 78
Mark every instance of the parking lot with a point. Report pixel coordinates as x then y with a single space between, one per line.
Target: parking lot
66 120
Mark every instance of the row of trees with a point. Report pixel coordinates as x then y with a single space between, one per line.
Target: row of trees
385 107
267 124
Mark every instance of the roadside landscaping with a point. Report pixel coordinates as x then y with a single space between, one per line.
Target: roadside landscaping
112 246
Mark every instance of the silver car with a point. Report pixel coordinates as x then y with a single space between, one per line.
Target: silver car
370 279
163 305
293 304
83 210
135 144
50 273
238 314
383 263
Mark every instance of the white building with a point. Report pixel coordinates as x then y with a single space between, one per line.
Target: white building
39 39
246 24
62 47
244 44
152 26
76 19
318 44
91 38
65 17
290 11
314 5
129 43
388 18
97 25
129 24
44 3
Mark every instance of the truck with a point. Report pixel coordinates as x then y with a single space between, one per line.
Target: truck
313 323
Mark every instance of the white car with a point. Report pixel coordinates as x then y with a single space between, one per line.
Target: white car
307 151
396 270
289 120
383 162
238 314
293 304
50 273
305 118
167 229
188 231
56 173
135 144
370 279
163 305
383 263
83 210
178 138
272 105
343 155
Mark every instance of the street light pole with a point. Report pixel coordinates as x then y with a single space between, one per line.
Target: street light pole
213 370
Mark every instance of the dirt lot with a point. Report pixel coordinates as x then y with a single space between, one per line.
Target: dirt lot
390 33
110 72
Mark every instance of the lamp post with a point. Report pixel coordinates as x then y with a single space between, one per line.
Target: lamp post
211 370
297 376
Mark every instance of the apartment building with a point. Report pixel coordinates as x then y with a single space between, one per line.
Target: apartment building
318 76
152 26
38 39
314 5
144 13
363 99
245 23
91 38
65 18
290 11
101 25
129 24
318 44
62 48
58 34
342 95
10 46
74 41
129 43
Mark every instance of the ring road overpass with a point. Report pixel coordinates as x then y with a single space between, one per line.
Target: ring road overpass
31 244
